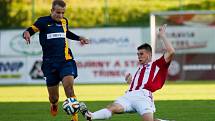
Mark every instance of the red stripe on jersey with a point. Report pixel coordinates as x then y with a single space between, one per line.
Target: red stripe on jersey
132 84
140 79
151 75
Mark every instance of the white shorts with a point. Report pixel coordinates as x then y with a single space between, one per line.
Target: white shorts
140 101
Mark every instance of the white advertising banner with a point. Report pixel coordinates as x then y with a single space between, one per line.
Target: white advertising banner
191 39
21 70
108 41
34 72
91 69
105 69
103 41
13 44
12 70
110 54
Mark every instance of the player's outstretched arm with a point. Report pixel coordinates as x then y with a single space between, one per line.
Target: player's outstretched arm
73 36
170 51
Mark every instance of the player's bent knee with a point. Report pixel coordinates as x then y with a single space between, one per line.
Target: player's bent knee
115 108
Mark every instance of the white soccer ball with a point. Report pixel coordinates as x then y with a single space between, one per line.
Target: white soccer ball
71 106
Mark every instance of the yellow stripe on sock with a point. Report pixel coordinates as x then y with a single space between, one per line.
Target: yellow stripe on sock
75 117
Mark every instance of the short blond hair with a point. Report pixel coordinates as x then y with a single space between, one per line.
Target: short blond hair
61 3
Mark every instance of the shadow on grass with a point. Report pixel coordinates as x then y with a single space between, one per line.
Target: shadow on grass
178 110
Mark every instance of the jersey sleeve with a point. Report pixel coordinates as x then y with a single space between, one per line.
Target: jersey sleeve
162 63
70 34
36 27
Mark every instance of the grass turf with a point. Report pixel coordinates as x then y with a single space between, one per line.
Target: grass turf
178 110
181 101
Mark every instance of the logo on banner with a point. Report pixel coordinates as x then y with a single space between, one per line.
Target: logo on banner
10 69
18 45
36 72
174 68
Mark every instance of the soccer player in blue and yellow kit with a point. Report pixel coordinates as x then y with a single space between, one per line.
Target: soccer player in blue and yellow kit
58 61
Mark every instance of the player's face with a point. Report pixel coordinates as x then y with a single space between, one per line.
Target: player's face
144 56
57 13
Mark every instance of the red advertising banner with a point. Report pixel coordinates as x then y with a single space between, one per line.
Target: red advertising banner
193 67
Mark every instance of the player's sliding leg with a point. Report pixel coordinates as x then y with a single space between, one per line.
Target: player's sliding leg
53 98
162 120
105 113
101 114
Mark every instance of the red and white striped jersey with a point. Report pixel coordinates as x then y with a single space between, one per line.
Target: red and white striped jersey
150 76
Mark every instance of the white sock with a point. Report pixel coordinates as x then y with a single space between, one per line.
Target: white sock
162 120
101 114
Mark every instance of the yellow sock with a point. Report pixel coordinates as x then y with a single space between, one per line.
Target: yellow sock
75 117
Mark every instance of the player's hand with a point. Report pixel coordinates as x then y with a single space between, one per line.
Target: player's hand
83 41
128 78
27 36
161 32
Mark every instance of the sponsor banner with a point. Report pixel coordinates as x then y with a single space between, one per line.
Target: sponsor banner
114 41
34 72
103 69
13 44
190 39
16 70
91 69
193 67
110 40
103 41
12 69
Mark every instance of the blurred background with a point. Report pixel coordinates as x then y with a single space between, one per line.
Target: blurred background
95 13
116 28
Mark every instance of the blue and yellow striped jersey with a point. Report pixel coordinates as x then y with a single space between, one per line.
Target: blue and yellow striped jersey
53 38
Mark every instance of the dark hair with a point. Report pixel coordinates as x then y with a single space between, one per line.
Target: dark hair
145 46
61 3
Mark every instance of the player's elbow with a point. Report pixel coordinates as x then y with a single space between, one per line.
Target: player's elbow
172 52
169 55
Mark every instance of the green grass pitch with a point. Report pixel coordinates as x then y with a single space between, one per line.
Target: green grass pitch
179 101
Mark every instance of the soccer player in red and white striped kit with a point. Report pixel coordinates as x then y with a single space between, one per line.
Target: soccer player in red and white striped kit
149 77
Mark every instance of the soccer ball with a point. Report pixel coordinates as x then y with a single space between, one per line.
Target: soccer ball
71 106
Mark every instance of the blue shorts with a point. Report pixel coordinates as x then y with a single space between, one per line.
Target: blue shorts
54 72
